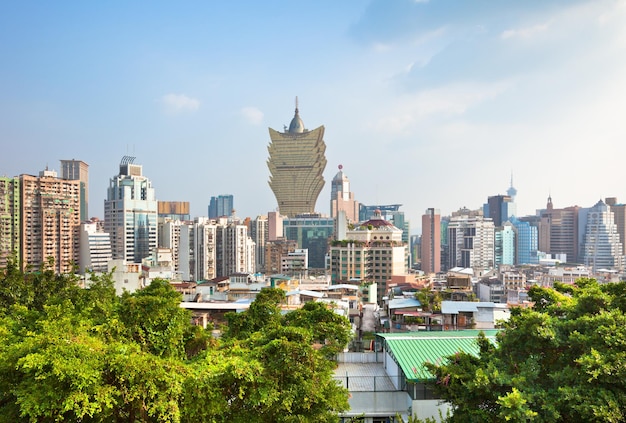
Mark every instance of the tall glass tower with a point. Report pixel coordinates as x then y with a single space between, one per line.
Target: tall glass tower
130 213
296 163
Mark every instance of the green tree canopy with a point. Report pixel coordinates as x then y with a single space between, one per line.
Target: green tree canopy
562 360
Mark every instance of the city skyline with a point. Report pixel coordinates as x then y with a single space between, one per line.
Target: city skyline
459 95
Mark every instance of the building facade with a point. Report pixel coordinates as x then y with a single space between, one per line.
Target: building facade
558 231
10 219
373 253
601 248
471 242
296 163
431 241
50 221
77 170
342 199
95 248
313 232
130 213
221 206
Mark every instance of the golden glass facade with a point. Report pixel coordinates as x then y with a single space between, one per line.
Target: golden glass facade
296 163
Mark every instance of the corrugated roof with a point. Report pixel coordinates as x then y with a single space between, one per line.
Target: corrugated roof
403 303
411 350
454 307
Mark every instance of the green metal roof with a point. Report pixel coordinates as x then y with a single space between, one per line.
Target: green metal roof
410 350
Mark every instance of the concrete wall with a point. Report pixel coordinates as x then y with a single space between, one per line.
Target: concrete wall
430 408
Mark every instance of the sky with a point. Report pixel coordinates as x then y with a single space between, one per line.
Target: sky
425 103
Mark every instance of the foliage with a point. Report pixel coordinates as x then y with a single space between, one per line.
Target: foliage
74 354
562 360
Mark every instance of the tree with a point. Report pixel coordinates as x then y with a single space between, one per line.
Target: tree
562 360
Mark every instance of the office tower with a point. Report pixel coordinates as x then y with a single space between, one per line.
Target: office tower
471 242
342 199
619 215
130 213
499 208
50 223
95 247
313 232
373 252
296 163
174 210
558 231
504 244
527 240
259 231
431 241
10 219
601 248
77 170
220 206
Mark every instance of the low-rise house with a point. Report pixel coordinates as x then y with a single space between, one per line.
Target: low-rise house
392 380
472 314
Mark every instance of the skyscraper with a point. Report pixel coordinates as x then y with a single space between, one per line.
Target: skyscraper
10 223
77 170
296 164
221 206
471 242
342 199
130 213
431 241
601 246
50 221
558 231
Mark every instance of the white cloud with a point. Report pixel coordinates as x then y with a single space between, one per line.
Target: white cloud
450 100
178 103
527 32
252 115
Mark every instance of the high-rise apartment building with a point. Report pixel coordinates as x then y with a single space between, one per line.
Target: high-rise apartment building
373 252
259 232
431 241
342 199
619 214
50 222
95 247
10 219
296 163
471 242
221 206
130 213
601 248
77 170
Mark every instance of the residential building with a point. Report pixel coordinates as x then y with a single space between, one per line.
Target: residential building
259 232
296 163
221 206
619 216
77 170
130 213
274 252
471 243
50 213
342 199
235 249
431 241
95 247
10 219
373 253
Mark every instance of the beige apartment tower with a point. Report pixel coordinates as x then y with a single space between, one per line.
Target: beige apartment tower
50 221
296 163
9 219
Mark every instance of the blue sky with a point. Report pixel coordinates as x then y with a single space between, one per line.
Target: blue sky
425 103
